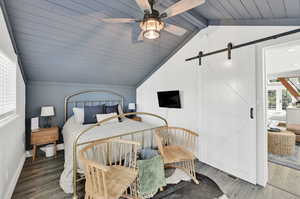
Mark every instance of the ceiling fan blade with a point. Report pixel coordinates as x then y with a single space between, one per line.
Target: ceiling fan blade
176 30
118 20
136 34
180 7
144 5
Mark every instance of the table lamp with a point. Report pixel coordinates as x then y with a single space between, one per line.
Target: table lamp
47 112
131 107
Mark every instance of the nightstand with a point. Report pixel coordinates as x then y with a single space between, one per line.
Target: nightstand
136 118
44 136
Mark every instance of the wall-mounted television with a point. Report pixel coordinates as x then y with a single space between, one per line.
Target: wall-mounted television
169 99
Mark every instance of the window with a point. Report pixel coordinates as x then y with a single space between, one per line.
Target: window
273 81
286 99
7 86
272 99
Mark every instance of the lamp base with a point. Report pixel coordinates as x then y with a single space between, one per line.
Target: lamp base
47 123
131 116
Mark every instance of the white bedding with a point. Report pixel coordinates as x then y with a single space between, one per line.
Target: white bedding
70 131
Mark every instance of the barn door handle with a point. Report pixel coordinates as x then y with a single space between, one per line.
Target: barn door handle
251 113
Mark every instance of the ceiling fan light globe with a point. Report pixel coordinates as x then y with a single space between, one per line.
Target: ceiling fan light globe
151 34
152 28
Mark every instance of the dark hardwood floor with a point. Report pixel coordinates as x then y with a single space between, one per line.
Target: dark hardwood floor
40 179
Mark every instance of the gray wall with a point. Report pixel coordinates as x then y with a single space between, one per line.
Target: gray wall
53 93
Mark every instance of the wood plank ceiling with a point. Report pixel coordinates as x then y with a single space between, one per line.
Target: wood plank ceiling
251 12
64 41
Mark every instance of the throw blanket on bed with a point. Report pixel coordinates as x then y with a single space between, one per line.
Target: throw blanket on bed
151 176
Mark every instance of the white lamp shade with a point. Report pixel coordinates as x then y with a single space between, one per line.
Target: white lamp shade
47 111
131 106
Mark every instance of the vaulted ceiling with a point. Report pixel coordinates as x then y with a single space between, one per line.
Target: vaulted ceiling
65 41
283 58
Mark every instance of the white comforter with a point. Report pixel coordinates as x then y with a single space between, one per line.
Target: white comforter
70 131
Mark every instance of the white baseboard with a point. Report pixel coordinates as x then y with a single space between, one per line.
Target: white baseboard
59 147
15 178
28 154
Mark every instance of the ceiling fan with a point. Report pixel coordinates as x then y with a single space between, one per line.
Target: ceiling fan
152 22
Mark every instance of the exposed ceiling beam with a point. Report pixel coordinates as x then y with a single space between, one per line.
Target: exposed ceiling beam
256 22
192 17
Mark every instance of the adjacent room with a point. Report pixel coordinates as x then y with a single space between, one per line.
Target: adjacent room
283 109
162 99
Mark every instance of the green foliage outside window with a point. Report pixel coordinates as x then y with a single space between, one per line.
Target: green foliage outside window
272 99
286 99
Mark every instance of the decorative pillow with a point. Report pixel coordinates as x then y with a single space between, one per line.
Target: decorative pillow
78 115
101 117
113 109
90 113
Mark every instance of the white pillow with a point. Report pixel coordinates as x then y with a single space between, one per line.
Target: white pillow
101 117
79 115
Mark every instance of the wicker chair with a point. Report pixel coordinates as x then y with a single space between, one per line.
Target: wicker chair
177 146
110 169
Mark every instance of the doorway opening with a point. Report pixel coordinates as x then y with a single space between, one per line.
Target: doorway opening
282 94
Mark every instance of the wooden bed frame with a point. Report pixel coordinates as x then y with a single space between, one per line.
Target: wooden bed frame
135 135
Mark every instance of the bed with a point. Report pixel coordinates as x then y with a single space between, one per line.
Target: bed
76 135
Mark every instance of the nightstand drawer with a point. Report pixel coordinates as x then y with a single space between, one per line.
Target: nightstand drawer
43 138
136 118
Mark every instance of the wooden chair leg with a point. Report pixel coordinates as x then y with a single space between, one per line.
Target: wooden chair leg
196 181
34 152
191 167
55 150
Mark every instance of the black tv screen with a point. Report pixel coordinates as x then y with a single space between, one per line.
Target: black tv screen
169 99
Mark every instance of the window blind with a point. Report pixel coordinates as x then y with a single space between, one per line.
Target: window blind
7 86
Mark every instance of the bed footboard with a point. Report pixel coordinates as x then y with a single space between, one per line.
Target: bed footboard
145 137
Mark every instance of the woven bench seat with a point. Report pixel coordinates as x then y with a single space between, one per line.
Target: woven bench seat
281 143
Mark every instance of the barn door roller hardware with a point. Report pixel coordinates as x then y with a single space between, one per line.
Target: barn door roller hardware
231 47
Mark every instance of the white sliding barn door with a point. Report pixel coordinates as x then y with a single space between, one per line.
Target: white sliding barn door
227 93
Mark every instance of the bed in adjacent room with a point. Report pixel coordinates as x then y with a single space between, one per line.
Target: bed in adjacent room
80 133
